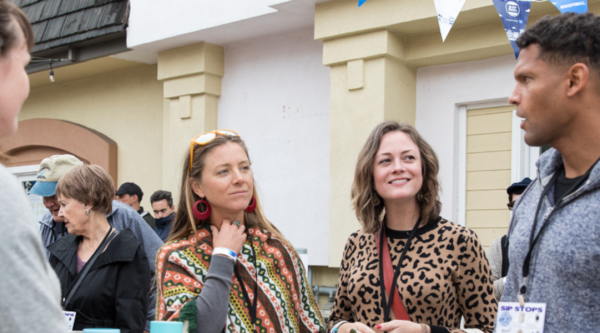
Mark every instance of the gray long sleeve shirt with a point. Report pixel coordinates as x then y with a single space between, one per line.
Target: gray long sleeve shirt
565 263
122 217
213 301
29 288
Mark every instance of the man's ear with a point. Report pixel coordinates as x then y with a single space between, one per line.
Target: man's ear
197 188
136 197
578 78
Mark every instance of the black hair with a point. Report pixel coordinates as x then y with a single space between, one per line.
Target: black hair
162 195
566 39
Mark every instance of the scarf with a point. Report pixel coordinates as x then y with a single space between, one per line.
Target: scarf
284 296
164 225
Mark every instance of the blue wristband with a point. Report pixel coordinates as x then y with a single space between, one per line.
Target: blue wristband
226 252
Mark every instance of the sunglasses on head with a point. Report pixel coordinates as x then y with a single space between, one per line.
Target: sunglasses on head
207 137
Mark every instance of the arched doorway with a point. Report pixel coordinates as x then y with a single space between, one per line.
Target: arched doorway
37 139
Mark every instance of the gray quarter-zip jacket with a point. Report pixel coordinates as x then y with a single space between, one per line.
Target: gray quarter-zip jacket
565 263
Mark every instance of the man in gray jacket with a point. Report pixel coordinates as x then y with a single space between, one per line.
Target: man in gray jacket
122 216
554 237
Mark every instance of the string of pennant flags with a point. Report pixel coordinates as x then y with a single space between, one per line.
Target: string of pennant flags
514 14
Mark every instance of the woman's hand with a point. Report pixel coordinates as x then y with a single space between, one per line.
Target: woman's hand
230 236
400 326
359 327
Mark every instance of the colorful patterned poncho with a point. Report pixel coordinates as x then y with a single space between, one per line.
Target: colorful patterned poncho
285 300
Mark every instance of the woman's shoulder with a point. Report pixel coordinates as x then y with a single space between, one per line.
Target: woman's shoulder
198 240
458 234
124 247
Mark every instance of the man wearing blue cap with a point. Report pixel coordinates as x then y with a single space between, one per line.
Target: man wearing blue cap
122 216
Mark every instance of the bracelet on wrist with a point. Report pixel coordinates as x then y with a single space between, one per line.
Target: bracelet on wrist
336 326
225 252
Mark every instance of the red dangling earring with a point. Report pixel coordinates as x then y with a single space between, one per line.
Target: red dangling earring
252 206
197 213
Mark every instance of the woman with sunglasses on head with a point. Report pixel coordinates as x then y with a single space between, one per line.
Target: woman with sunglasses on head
408 270
225 267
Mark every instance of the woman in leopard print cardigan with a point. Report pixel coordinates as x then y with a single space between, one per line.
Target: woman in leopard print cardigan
444 274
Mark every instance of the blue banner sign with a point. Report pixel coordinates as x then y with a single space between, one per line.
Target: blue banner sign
360 2
575 6
514 15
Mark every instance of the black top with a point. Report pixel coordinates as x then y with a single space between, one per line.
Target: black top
563 184
404 234
115 291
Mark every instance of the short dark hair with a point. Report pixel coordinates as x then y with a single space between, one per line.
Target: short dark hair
162 195
10 14
566 39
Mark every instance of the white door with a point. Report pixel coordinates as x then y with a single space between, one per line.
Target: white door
26 175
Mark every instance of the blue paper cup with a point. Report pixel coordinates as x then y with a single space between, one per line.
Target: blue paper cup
101 330
166 327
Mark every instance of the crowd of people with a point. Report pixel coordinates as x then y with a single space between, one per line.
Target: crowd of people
218 264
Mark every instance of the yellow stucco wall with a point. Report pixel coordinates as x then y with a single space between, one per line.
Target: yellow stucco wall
126 105
489 138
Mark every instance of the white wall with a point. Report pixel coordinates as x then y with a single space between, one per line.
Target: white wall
156 25
440 90
275 92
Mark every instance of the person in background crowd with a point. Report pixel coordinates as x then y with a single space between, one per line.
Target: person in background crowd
497 253
29 289
164 212
196 267
412 270
131 194
122 217
113 291
554 237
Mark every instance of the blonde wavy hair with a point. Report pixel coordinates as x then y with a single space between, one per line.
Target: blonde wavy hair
367 204
185 220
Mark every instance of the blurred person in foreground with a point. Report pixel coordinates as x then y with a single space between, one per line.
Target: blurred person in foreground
164 213
121 216
225 267
111 264
408 270
498 251
554 237
29 289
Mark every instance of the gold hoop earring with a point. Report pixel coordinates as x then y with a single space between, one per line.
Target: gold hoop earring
376 201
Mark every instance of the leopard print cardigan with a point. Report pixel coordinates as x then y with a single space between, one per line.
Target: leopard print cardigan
445 275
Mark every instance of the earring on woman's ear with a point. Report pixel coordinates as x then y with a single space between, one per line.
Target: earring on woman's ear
87 212
376 201
419 196
252 206
197 213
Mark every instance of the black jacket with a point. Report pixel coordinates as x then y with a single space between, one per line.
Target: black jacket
114 294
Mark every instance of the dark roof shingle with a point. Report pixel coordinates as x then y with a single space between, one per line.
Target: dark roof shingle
62 22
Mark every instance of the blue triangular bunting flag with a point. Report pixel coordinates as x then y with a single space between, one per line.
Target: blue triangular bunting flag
514 15
575 6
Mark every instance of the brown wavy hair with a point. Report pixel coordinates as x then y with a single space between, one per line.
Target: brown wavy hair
90 185
12 18
185 220
368 205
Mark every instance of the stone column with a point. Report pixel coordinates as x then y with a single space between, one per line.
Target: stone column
191 77
370 83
